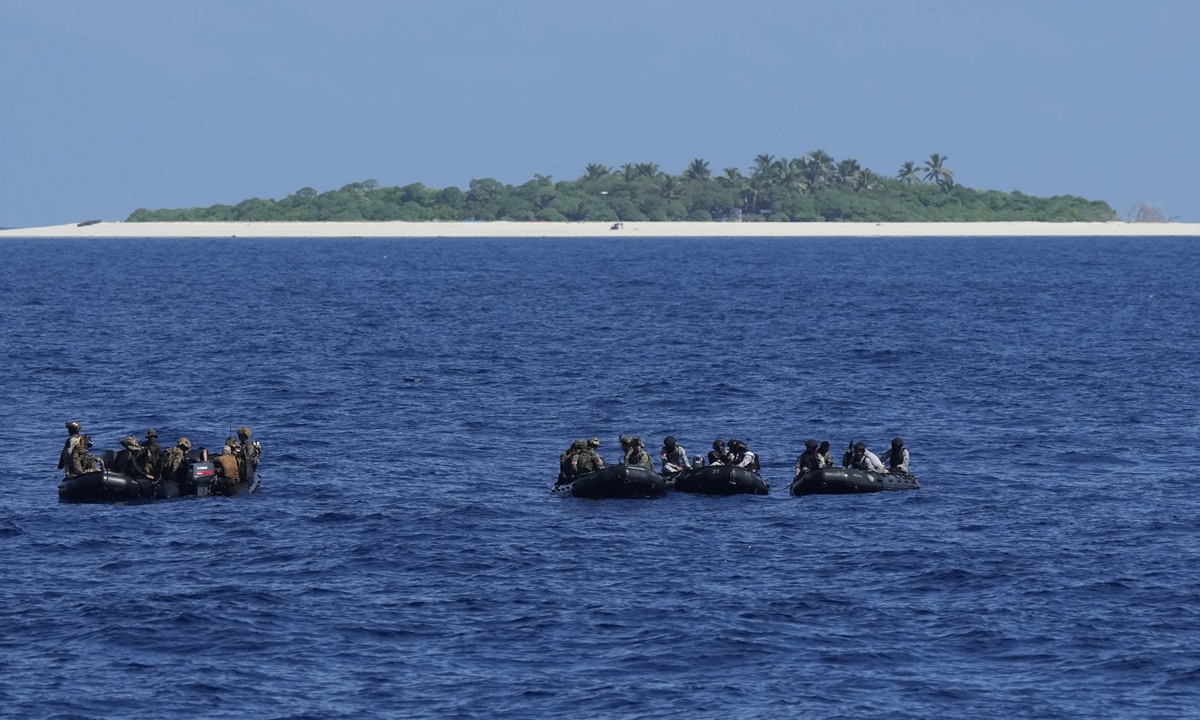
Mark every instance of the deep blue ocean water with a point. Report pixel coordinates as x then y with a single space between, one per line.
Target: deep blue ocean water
406 559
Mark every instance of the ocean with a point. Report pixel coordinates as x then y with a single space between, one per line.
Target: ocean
405 557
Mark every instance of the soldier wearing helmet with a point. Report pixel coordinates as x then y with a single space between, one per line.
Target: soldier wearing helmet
674 458
863 459
742 456
249 452
73 434
638 455
128 461
589 459
810 460
718 456
568 461
896 457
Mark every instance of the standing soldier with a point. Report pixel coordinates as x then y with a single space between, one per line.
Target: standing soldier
249 453
64 457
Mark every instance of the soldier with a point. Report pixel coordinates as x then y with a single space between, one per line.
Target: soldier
742 456
810 460
249 452
567 462
151 449
173 462
64 457
864 459
626 443
638 455
130 461
896 457
589 459
81 461
674 458
823 451
718 456
226 465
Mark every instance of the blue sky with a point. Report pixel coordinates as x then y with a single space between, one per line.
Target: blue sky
107 107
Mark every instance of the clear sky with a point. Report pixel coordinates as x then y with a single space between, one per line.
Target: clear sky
110 106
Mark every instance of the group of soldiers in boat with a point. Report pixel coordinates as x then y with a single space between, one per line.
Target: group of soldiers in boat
583 457
148 460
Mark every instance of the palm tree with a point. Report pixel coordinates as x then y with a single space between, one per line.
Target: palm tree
697 170
594 171
628 172
935 170
846 172
670 189
646 170
732 175
908 173
818 169
865 180
762 164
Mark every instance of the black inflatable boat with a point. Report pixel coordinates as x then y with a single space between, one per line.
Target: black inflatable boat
105 486
842 481
617 481
720 480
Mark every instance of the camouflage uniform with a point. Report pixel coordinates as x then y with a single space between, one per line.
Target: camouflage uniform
64 457
639 456
248 454
81 461
567 461
151 449
589 460
129 461
172 464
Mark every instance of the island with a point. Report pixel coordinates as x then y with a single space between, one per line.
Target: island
814 188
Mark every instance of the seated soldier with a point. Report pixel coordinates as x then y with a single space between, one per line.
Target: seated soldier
173 463
80 460
674 457
226 465
865 460
129 461
718 456
638 455
741 456
810 460
896 457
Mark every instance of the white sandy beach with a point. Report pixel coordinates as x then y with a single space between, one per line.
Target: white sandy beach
598 229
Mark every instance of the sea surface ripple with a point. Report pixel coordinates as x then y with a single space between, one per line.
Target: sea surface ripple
406 559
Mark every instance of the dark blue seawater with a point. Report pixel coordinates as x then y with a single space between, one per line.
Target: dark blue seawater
406 559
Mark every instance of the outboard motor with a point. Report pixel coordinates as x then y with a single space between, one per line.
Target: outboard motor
202 473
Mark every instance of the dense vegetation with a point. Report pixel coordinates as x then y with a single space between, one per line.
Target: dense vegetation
811 188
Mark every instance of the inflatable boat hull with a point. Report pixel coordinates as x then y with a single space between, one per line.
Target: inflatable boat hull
842 481
721 480
618 481
104 486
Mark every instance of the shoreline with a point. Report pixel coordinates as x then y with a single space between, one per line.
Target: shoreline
349 230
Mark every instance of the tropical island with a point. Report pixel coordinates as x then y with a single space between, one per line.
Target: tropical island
813 188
